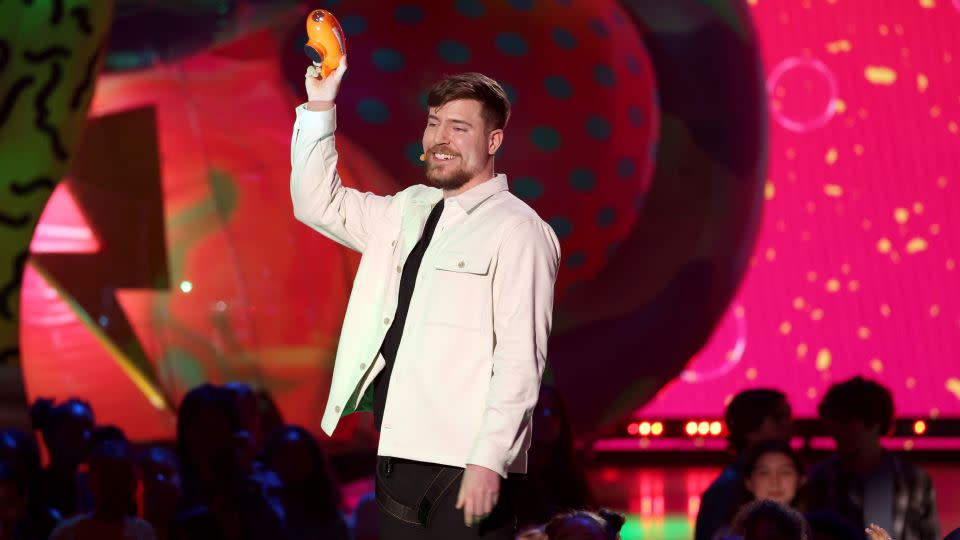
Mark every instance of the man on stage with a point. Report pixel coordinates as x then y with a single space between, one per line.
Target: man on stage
445 335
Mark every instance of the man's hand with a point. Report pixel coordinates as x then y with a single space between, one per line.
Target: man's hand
479 491
321 93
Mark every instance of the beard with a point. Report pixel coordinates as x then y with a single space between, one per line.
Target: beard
447 180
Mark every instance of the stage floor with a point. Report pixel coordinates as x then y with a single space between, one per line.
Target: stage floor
661 502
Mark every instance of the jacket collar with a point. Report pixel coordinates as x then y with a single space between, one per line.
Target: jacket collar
467 200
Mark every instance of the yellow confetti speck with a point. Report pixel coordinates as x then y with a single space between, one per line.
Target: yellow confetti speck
880 75
911 383
901 215
916 245
935 229
953 127
853 286
811 276
801 350
770 254
791 153
816 314
918 207
953 386
884 30
798 302
752 373
922 82
831 156
928 4
833 190
858 149
845 269
908 445
883 245
885 310
876 365
935 111
769 191
951 264
863 332
840 106
811 392
942 182
898 29
824 359
934 310
738 311
839 46
833 285
785 327
947 58
934 413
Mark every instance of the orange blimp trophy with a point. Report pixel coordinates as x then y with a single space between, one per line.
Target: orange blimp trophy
325 42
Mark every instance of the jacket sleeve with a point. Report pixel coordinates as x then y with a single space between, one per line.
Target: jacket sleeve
523 287
320 200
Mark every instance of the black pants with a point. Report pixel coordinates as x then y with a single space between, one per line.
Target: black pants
406 482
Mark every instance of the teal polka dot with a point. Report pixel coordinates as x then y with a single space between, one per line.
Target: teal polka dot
576 259
545 138
582 180
408 14
412 152
510 91
618 17
564 39
606 217
389 60
604 76
598 28
598 128
626 167
527 188
470 8
635 115
561 225
353 25
633 65
522 5
422 100
453 52
373 111
558 87
512 44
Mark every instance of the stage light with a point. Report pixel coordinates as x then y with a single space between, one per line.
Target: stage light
186 286
645 428
703 428
715 428
656 429
691 428
919 427
632 428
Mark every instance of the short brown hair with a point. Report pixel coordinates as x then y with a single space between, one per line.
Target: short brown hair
476 86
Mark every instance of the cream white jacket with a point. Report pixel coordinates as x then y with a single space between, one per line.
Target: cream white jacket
472 353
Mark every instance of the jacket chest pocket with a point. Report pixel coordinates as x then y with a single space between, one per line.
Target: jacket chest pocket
461 291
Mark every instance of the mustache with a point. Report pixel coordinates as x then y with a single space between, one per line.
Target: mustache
442 150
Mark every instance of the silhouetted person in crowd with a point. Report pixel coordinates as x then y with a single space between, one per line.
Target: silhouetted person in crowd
16 521
310 493
555 479
161 488
772 470
212 478
828 525
863 482
770 520
20 453
113 482
584 525
66 430
752 416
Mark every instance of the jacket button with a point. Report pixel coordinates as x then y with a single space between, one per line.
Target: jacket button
386 320
461 264
399 269
336 409
363 366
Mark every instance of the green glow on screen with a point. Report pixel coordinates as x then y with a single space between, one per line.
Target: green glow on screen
670 527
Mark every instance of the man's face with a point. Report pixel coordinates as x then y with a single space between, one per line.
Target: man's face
456 143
